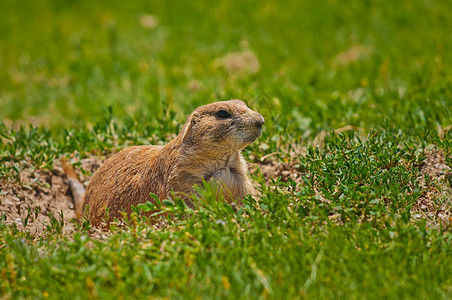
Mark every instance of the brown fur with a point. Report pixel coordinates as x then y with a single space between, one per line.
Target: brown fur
208 147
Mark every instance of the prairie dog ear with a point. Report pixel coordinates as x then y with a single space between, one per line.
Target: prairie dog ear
192 120
194 117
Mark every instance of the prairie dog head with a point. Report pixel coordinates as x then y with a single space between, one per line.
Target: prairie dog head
226 125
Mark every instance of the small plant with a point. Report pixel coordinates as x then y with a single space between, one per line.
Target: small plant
166 207
56 225
32 215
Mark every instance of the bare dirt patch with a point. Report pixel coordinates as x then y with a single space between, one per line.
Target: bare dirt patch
435 203
239 62
274 169
40 195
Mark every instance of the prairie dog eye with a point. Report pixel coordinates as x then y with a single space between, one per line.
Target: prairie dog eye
222 114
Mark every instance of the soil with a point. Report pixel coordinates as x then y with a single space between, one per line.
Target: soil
40 194
435 204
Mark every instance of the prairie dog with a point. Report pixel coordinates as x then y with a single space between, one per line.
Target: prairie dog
207 147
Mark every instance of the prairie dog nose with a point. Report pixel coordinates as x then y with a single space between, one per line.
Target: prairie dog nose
259 119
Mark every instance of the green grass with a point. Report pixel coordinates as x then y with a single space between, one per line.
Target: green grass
92 80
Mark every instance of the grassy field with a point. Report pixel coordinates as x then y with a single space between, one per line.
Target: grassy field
353 166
